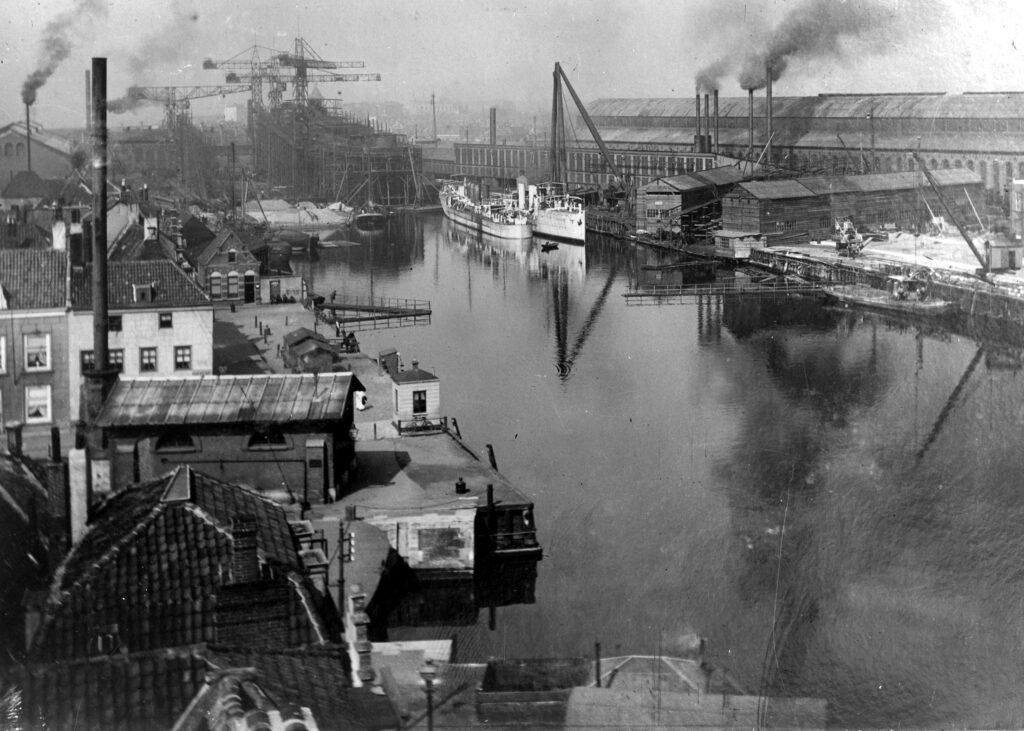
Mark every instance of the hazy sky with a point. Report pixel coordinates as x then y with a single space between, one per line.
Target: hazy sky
487 51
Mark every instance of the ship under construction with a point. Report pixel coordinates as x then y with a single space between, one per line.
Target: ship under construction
307 146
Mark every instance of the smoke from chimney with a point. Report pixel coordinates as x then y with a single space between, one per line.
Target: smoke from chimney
818 29
130 101
56 45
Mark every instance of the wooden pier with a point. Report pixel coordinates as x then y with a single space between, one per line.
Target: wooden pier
356 314
692 293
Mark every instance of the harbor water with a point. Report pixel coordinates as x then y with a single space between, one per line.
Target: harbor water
831 498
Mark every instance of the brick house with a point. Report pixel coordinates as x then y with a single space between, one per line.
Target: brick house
228 270
160 322
34 386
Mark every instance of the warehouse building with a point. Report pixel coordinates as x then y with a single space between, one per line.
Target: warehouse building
803 209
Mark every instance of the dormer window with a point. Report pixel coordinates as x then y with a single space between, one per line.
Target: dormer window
232 256
143 292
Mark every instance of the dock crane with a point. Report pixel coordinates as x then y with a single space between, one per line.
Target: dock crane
985 263
257 65
176 99
559 166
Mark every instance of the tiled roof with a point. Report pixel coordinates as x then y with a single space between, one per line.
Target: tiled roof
118 692
173 287
225 240
313 677
33 279
271 399
154 570
200 687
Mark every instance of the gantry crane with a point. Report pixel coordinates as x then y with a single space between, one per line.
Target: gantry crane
177 99
278 65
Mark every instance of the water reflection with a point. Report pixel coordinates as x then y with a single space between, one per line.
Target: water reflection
744 469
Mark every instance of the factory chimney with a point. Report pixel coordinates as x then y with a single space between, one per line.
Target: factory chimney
698 140
101 378
750 106
707 124
494 126
28 134
716 121
768 112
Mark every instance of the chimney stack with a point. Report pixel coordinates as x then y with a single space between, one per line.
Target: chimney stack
707 123
698 139
494 126
768 101
750 106
101 378
716 121
245 563
28 134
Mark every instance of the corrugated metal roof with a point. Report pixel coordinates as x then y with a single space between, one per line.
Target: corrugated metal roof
825 184
722 175
227 399
776 189
902 106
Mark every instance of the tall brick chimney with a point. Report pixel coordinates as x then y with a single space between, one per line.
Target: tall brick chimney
245 563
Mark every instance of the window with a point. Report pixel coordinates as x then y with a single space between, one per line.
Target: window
117 359
147 359
166 319
176 441
37 352
268 440
3 354
232 285
183 357
215 280
232 256
88 360
37 404
419 402
114 323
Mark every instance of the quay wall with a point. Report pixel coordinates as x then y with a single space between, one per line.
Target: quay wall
972 299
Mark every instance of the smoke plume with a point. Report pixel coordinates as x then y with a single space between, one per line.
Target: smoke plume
708 78
57 42
131 100
818 29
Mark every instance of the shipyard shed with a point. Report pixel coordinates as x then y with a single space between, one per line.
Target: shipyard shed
807 208
781 210
288 436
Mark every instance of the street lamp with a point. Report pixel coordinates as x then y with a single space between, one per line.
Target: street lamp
429 672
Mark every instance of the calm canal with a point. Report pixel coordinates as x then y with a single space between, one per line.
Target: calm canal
834 500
